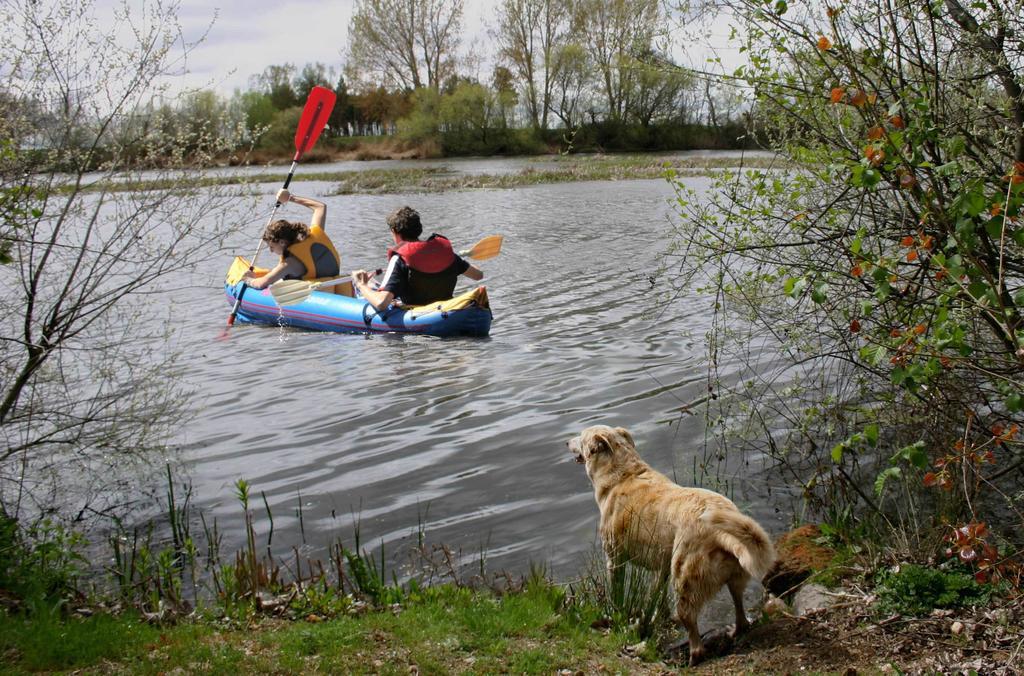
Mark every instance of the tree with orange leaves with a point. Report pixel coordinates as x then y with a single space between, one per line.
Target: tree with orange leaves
894 247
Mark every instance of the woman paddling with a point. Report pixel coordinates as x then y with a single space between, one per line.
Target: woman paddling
306 251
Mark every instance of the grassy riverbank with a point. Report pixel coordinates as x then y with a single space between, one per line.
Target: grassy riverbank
866 610
443 179
539 629
443 630
180 605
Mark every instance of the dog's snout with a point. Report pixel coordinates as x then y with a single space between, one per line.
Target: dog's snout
574 448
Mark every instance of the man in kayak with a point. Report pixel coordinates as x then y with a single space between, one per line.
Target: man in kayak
419 271
306 251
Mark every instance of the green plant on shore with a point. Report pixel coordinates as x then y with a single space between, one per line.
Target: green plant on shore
40 564
627 595
150 574
917 590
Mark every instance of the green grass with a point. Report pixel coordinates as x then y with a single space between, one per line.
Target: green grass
447 630
47 642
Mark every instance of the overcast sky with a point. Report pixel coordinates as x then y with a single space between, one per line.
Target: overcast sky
245 36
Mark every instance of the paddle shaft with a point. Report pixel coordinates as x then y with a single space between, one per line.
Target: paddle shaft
304 139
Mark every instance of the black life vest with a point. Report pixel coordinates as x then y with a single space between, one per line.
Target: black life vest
431 264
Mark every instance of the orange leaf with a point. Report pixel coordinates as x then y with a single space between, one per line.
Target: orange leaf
854 326
919 329
837 94
927 241
824 44
897 122
930 479
996 209
912 255
908 240
856 271
940 275
875 133
872 97
858 98
895 333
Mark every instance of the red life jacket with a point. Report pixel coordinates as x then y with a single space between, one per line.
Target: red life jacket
431 264
431 255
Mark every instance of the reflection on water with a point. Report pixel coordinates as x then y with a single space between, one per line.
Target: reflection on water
466 436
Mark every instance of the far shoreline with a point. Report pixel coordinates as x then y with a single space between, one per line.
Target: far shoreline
431 179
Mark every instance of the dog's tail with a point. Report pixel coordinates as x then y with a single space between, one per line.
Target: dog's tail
741 536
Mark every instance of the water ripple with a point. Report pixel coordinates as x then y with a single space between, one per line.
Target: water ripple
463 438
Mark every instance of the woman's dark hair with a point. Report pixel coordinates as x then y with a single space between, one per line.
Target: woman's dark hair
286 231
405 222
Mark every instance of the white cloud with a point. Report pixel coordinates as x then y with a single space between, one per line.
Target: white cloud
245 36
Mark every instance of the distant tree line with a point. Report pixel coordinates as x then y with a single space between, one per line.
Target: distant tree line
576 74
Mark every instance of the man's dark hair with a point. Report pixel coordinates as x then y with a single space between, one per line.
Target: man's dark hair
405 222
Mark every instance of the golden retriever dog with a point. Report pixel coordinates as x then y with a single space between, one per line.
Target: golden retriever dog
698 537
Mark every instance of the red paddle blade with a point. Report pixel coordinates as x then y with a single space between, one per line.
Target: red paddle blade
313 120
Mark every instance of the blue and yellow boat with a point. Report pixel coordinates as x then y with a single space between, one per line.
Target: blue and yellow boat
330 307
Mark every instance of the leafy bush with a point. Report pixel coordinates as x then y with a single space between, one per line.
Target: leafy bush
916 590
39 564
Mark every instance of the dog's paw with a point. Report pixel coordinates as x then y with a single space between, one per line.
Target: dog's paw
740 629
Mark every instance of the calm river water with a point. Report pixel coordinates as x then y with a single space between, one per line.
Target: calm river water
463 436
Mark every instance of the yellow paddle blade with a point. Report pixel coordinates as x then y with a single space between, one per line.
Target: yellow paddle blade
487 248
291 291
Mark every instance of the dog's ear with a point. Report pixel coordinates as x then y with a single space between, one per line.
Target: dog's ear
626 435
600 444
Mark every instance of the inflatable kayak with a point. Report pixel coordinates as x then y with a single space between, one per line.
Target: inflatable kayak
330 310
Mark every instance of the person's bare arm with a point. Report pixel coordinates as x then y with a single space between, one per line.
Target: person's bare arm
319 217
377 298
289 266
474 273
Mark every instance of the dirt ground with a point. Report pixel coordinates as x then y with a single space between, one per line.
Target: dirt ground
850 639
